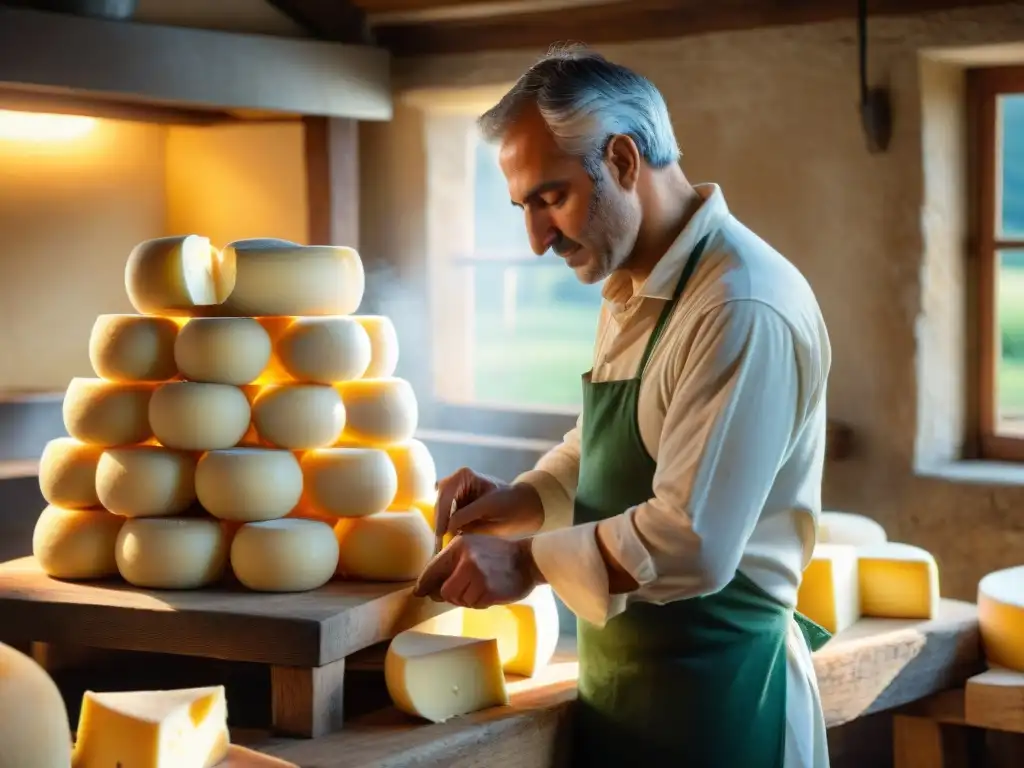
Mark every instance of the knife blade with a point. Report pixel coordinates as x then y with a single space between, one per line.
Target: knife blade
439 537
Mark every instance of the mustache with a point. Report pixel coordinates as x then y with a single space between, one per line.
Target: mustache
563 245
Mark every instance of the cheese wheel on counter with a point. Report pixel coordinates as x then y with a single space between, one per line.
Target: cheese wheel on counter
829 590
194 416
146 481
848 528
34 728
175 275
67 473
298 416
323 350
379 411
1001 616
249 484
76 543
288 555
133 348
347 482
222 350
107 413
383 346
526 631
171 552
416 471
898 581
389 546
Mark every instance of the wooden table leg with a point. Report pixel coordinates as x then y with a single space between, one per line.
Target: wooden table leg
920 742
308 701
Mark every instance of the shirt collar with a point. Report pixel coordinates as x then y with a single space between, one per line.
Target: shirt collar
661 283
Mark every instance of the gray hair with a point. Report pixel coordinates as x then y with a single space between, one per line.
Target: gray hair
585 99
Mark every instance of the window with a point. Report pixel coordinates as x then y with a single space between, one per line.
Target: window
997 108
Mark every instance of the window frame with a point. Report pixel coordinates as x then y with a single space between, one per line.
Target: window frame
984 88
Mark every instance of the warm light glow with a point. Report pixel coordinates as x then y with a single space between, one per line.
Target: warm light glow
37 126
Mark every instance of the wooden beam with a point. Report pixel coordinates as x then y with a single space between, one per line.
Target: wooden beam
628 20
332 180
392 12
339 21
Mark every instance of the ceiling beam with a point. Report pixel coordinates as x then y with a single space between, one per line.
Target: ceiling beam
338 21
394 12
629 20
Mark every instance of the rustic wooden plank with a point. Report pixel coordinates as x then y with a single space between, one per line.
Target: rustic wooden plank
919 742
308 701
995 700
332 180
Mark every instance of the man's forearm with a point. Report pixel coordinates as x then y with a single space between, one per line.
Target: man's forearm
620 582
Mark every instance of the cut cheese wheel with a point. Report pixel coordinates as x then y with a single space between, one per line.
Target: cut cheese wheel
383 345
829 589
133 348
249 484
898 581
298 416
347 482
192 416
289 555
416 471
76 543
174 276
323 350
146 481
1001 616
171 552
152 729
847 528
526 631
379 411
390 546
67 473
222 350
436 677
34 727
107 413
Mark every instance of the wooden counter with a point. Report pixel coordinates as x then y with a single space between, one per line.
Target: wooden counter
874 666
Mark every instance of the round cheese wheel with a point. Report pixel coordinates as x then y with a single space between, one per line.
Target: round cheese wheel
76 543
194 416
174 276
1001 617
146 481
416 471
298 416
34 728
347 482
222 350
383 345
249 484
390 546
171 552
323 350
379 411
67 473
289 555
107 413
133 348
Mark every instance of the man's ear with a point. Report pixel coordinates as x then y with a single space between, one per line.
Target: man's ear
623 158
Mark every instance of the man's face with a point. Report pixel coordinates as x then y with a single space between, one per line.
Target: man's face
593 226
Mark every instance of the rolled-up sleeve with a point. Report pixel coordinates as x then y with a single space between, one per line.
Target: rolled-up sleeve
728 428
555 477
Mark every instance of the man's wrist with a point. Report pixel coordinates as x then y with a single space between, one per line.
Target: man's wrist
528 563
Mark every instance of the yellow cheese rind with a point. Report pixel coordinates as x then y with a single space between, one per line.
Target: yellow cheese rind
288 555
526 631
378 412
146 481
194 416
347 482
67 473
153 729
173 275
383 344
76 543
171 552
416 472
34 728
389 546
437 677
249 484
898 581
222 350
1001 617
829 591
298 417
133 348
107 413
323 350
848 528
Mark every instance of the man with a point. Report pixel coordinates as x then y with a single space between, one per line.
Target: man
676 519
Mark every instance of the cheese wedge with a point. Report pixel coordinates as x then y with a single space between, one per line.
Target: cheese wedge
847 528
1001 616
438 677
153 729
34 729
898 581
526 631
828 592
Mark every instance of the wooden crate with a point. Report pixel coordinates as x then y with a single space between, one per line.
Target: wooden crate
304 637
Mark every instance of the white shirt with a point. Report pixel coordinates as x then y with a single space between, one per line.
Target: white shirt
732 409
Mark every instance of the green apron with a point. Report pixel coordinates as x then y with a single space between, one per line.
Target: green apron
696 683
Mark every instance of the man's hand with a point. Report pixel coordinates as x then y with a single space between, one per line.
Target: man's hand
486 505
478 571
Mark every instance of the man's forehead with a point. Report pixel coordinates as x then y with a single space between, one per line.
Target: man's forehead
530 160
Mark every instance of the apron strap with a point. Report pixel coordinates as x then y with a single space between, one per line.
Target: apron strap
688 270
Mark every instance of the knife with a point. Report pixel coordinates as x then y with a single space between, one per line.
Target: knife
439 537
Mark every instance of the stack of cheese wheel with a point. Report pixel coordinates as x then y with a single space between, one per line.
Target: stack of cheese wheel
246 417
